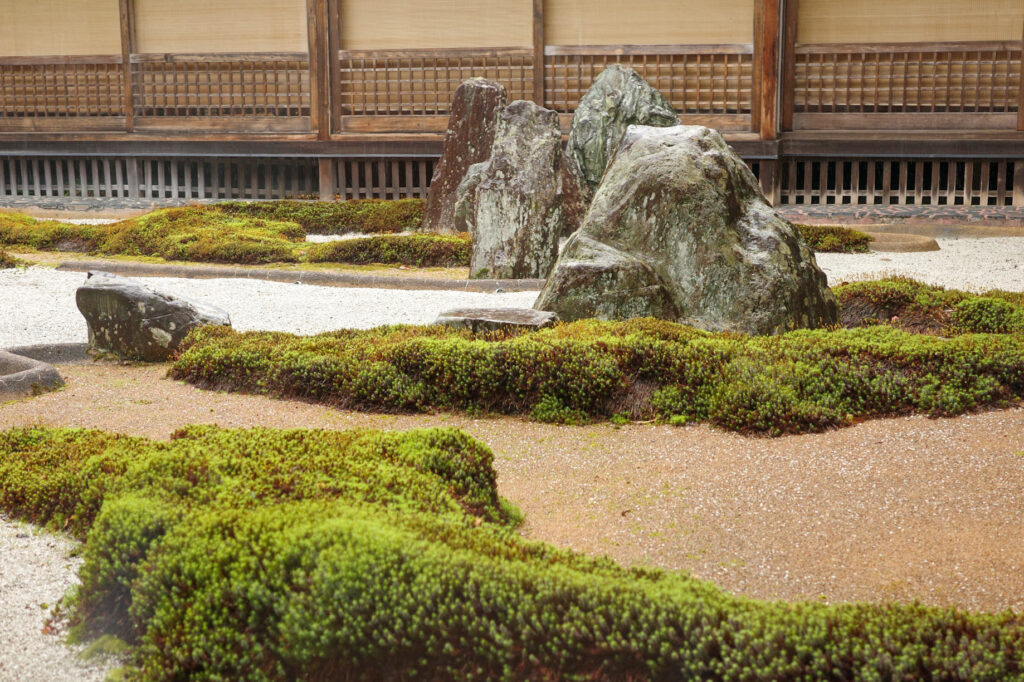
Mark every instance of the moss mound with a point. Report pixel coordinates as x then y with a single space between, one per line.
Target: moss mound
801 381
9 261
917 307
370 216
278 555
419 250
834 239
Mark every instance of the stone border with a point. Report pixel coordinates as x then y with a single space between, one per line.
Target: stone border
315 277
24 377
889 242
54 353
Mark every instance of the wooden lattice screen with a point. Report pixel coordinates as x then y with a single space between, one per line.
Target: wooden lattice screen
61 87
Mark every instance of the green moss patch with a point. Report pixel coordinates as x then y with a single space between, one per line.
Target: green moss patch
368 216
419 250
9 261
280 555
800 381
834 239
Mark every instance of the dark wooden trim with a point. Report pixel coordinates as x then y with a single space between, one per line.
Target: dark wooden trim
538 52
220 56
438 52
904 121
730 48
1020 96
387 124
62 59
319 85
764 112
788 76
76 124
126 14
873 48
333 73
226 124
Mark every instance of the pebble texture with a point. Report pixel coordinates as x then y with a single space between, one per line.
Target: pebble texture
475 108
679 230
136 322
512 203
35 572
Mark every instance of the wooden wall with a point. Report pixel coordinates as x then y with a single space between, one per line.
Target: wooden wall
648 22
908 21
59 27
419 24
219 26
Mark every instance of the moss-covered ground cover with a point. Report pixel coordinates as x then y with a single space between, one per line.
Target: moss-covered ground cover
834 238
367 216
264 555
9 261
215 234
800 381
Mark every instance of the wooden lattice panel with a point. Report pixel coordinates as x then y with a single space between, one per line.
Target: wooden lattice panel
61 89
908 78
695 79
421 83
217 85
898 182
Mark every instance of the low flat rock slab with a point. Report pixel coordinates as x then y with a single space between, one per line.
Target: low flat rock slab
136 322
494 319
21 377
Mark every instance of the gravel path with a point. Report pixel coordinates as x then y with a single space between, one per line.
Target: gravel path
38 305
35 572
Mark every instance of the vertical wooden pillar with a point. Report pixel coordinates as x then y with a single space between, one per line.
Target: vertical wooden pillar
788 68
127 14
328 178
1020 96
538 52
765 108
333 77
319 89
770 177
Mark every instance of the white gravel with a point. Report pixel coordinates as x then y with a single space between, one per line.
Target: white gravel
321 238
35 572
38 305
969 264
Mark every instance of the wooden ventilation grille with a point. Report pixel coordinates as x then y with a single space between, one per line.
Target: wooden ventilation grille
384 178
61 87
174 179
943 77
705 79
422 82
898 182
219 85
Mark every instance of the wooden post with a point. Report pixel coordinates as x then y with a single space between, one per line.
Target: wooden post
126 12
1020 96
1018 183
333 76
788 68
764 118
538 52
328 178
770 179
319 87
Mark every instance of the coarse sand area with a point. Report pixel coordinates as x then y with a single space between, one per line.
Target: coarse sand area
905 508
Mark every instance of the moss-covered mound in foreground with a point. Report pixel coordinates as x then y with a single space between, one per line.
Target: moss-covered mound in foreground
370 216
834 238
918 307
282 555
800 381
418 250
9 261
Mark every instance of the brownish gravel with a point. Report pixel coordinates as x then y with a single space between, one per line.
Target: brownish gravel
892 509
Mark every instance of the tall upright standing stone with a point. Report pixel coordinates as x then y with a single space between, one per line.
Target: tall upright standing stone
475 108
678 229
618 98
512 203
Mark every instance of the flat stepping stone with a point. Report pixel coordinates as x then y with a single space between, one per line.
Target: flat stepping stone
21 377
494 319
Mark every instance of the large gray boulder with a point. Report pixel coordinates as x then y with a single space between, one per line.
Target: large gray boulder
512 203
679 230
474 117
618 98
135 322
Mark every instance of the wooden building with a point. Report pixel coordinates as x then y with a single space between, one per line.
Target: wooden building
860 102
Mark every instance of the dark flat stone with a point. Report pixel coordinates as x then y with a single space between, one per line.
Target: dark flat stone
21 377
493 319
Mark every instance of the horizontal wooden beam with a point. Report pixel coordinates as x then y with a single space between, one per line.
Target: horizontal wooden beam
568 50
439 52
904 121
220 57
190 124
62 59
878 48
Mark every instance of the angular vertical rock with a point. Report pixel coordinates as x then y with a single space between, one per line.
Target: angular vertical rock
475 108
619 97
512 203
679 229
